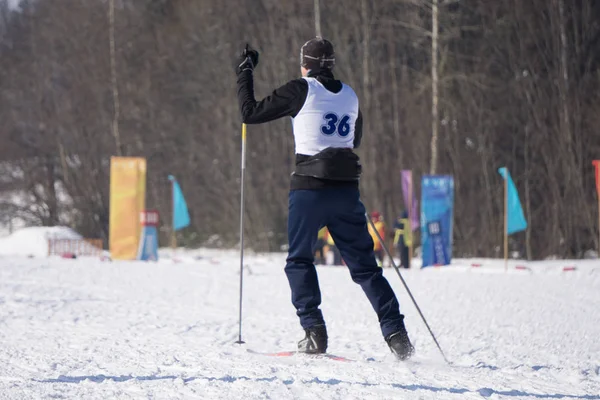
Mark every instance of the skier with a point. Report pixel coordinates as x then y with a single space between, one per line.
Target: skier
327 125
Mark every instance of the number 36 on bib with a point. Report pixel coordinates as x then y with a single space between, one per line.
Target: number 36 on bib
334 124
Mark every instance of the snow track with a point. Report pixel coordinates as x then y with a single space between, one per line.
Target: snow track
77 329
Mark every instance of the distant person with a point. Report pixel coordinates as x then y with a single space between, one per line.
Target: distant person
403 239
380 226
320 247
337 257
327 126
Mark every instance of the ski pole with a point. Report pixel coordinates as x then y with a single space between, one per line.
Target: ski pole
405 285
243 169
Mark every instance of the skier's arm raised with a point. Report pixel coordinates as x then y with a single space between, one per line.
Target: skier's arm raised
284 101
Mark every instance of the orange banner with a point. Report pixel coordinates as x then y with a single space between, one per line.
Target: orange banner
127 201
597 165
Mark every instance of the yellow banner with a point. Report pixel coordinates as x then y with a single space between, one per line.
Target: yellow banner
127 201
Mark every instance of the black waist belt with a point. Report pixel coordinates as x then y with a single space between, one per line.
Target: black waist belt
332 164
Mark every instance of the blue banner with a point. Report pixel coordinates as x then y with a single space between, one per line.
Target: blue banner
437 211
516 218
148 250
181 217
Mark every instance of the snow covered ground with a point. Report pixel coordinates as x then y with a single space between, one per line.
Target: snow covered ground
86 329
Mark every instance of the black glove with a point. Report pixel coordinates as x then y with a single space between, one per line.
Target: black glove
248 59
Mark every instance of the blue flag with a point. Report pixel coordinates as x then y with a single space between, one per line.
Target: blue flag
516 219
181 217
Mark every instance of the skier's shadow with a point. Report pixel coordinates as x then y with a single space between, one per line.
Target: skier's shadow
101 378
124 378
484 392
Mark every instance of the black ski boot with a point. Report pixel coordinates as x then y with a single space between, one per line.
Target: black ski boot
315 341
400 344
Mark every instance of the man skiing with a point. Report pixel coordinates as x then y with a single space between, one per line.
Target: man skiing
327 126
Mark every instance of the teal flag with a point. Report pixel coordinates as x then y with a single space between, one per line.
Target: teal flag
181 217
516 219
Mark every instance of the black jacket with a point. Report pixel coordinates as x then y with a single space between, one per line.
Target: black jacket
287 101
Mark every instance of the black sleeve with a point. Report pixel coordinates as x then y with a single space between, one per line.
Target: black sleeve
358 125
284 101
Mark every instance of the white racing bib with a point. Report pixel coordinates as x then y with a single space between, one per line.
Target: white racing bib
326 120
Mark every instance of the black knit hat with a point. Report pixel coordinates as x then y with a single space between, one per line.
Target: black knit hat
317 53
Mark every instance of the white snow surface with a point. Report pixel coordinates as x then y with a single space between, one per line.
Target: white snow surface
33 241
87 329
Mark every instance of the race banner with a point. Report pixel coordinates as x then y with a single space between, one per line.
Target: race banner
410 199
127 201
148 250
597 165
437 212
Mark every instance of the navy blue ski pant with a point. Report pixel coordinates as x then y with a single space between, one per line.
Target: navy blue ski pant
341 210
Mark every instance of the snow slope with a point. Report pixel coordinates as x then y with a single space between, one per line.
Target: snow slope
84 329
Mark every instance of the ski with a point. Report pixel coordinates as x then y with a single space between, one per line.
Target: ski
294 353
